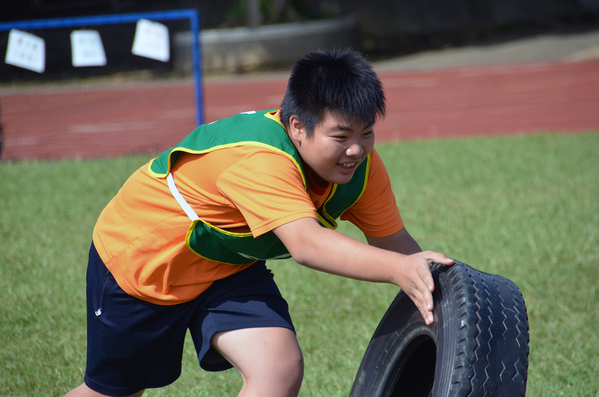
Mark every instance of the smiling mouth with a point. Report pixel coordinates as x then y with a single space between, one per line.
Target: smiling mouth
347 165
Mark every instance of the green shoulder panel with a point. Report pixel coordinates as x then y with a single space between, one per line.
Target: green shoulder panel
218 245
249 128
344 196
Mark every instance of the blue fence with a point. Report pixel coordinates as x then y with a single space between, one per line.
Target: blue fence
190 14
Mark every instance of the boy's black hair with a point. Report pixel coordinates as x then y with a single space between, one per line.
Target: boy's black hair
340 81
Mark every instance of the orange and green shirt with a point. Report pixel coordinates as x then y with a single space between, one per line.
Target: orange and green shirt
236 187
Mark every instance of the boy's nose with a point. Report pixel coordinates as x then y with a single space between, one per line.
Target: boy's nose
354 150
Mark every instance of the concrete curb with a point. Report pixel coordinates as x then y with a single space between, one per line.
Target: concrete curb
243 49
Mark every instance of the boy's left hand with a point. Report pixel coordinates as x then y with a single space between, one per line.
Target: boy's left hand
416 280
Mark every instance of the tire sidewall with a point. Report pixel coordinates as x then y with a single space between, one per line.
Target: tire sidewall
390 349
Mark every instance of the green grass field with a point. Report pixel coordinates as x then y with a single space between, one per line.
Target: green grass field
525 207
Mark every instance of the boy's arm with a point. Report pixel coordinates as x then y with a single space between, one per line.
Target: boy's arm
400 242
329 251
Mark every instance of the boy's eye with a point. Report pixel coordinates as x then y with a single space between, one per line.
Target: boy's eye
368 134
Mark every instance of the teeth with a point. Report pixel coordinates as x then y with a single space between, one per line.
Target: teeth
347 165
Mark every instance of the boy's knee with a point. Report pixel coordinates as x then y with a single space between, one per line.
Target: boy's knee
269 359
290 375
283 377
287 369
293 367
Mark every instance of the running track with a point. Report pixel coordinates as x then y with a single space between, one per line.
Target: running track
457 102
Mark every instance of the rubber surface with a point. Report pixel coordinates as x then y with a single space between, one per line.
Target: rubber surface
478 345
456 102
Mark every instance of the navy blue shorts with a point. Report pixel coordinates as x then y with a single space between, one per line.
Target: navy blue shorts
134 345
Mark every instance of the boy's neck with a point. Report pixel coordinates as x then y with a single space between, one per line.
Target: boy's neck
315 183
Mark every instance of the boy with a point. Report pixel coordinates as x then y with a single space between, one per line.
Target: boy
182 245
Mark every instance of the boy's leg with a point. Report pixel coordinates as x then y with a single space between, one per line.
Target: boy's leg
84 391
269 359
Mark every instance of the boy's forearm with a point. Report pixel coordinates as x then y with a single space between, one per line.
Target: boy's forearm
329 251
332 252
401 242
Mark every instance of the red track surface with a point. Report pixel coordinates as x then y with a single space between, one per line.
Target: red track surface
486 100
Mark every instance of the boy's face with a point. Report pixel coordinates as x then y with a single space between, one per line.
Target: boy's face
335 149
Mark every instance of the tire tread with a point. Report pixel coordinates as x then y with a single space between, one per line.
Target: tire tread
492 325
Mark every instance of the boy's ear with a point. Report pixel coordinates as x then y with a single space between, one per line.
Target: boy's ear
296 131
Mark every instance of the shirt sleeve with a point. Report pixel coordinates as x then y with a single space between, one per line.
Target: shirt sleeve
268 190
376 213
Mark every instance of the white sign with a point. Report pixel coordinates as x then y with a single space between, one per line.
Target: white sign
26 51
151 40
87 48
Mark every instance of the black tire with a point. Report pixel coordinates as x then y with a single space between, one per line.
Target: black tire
478 345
